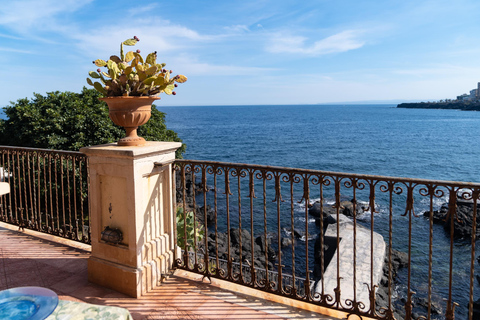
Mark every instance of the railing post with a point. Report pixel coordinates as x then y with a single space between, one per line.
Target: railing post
131 189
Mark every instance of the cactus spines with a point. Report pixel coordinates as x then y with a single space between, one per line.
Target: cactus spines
130 75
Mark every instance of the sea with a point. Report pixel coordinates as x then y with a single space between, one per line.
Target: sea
365 139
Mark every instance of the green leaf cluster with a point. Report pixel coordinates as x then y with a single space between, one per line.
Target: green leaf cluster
186 221
131 75
70 121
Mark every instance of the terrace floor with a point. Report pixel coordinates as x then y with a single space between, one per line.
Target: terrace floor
30 258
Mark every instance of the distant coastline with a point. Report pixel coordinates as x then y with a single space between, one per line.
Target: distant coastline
454 105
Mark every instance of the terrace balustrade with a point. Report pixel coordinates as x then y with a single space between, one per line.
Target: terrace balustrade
49 191
285 231
371 246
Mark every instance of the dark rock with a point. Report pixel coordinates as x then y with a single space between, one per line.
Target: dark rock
263 242
245 239
315 210
266 245
462 224
419 304
422 304
191 189
346 208
297 234
287 242
398 260
326 221
200 215
460 105
476 309
220 240
188 188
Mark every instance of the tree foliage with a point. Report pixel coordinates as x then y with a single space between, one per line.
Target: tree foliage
70 121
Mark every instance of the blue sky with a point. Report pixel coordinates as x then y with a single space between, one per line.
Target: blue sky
251 52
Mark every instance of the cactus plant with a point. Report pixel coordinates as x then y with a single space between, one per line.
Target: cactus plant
131 75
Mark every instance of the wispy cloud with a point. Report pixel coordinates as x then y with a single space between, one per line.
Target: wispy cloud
15 50
237 28
155 35
340 42
22 15
8 36
191 66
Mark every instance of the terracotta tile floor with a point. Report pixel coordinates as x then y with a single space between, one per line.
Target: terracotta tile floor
32 259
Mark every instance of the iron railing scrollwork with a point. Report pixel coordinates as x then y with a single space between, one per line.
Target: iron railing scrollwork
48 191
370 246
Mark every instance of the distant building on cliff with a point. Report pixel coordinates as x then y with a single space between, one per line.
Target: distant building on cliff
473 96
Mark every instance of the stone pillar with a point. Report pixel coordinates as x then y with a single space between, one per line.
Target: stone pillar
130 193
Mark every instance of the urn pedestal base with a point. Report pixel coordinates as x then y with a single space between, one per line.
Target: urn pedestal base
132 190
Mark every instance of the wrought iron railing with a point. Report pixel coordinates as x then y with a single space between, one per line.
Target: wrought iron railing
373 246
48 191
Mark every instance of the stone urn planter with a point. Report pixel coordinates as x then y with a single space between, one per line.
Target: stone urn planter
130 113
130 84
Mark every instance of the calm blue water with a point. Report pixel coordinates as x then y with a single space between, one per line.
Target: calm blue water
366 139
369 139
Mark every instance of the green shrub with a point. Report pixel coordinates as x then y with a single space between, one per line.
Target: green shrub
187 221
70 121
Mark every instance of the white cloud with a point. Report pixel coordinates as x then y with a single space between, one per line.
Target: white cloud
340 42
143 10
154 34
191 66
21 16
7 36
15 50
237 28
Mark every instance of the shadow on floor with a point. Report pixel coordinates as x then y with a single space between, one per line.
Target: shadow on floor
28 260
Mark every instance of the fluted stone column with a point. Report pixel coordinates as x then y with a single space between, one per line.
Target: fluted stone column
130 193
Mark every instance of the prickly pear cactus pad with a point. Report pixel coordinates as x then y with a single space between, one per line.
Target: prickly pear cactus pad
131 75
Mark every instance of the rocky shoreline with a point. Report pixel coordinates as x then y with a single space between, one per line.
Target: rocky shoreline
264 251
454 105
462 223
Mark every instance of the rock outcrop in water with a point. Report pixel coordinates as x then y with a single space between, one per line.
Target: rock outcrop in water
351 250
265 252
346 208
330 213
261 247
462 226
456 105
